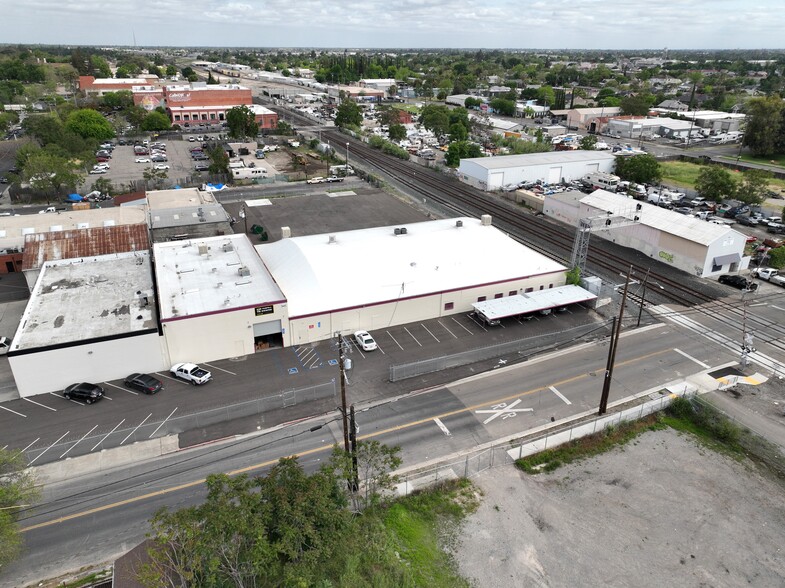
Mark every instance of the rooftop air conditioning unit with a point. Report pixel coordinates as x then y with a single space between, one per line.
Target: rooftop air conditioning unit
202 249
486 220
459 223
244 271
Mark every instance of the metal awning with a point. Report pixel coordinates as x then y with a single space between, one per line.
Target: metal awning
726 259
521 304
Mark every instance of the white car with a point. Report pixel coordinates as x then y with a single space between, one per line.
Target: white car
142 160
101 166
365 341
161 166
100 170
316 180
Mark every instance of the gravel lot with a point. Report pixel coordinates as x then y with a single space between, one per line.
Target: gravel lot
661 511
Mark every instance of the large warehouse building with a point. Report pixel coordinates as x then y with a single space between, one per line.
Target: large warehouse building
695 246
495 173
379 277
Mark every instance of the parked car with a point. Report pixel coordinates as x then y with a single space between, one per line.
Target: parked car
192 139
738 282
333 179
142 160
99 170
145 383
161 166
316 180
365 341
200 157
5 345
746 220
158 157
85 391
200 167
190 372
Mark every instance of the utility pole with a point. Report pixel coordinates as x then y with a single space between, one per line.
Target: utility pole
643 297
353 439
606 388
343 394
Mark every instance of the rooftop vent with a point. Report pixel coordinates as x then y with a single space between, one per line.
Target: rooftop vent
459 223
286 232
331 239
244 271
486 220
202 249
229 246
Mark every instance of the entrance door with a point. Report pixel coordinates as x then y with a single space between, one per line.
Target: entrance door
9 266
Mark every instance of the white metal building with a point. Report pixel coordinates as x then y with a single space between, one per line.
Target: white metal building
494 173
695 246
217 299
375 278
88 319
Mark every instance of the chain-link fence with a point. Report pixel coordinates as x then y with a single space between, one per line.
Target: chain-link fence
176 422
526 347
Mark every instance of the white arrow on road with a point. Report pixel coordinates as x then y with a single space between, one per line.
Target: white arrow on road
503 410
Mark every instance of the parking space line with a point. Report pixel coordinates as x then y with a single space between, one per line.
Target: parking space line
162 423
13 411
32 461
39 404
30 445
135 429
109 433
412 336
446 329
393 338
429 332
700 363
353 343
78 442
217 368
476 322
777 307
168 377
460 325
559 394
123 389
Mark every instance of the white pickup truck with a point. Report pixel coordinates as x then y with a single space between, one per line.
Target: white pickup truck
770 275
190 372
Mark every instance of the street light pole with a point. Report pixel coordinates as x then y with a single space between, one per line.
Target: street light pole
346 168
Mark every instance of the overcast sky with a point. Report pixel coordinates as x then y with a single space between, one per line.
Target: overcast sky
572 24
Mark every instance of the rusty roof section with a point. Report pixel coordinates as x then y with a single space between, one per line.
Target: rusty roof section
52 246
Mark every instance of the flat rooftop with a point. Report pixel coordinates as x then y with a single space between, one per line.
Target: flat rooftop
548 158
203 276
14 229
181 198
88 298
528 302
325 273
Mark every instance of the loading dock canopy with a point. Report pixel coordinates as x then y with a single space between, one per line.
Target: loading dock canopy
500 308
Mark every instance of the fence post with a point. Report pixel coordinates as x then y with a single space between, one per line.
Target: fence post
546 442
466 468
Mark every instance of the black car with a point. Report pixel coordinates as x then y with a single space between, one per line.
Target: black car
738 282
84 391
144 383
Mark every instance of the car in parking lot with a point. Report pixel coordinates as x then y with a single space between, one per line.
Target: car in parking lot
98 170
365 341
161 166
192 139
746 220
158 158
739 282
200 167
142 160
200 157
85 391
333 179
145 383
316 180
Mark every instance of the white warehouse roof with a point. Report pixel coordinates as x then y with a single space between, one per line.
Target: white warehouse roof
370 266
682 225
548 158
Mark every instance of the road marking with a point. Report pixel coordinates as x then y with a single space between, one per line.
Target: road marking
109 433
429 332
217 368
162 423
31 444
777 307
123 389
13 411
504 410
460 325
476 322
440 424
135 429
448 330
700 363
78 442
393 338
39 404
323 448
412 336
559 394
168 377
48 448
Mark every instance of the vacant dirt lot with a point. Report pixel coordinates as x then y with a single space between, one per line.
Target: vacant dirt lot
662 511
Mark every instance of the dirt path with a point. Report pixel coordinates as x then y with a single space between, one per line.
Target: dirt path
661 511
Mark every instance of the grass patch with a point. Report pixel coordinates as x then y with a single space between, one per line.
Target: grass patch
87 580
778 159
680 173
552 459
710 426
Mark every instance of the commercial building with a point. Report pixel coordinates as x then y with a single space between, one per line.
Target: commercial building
189 105
88 319
186 213
217 299
692 245
495 173
100 86
356 93
380 277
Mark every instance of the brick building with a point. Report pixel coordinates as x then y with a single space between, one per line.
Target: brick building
196 103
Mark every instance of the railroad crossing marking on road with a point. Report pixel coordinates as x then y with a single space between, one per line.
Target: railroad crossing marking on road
504 410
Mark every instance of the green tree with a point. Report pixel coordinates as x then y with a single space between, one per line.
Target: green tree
458 132
156 177
89 123
100 67
502 106
635 105
573 276
641 169
472 103
392 91
753 187
436 118
17 491
104 186
588 142
219 160
242 122
50 174
764 125
348 114
155 121
171 70
283 128
45 128
715 183
121 99
461 150
397 132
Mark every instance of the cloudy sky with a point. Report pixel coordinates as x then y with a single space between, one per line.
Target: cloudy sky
590 24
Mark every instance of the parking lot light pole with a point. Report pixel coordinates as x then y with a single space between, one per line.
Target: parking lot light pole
346 168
